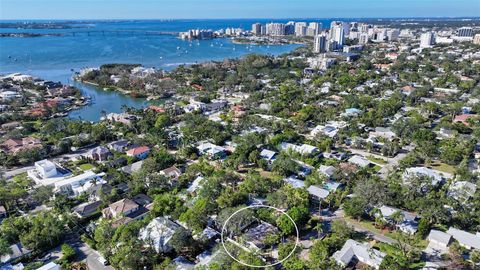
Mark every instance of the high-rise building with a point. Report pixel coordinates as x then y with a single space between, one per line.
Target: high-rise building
476 39
427 40
300 29
393 34
363 38
290 28
313 29
320 43
275 29
338 35
465 32
257 29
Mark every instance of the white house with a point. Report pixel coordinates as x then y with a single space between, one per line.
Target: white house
359 161
436 176
462 190
328 171
438 242
362 252
158 233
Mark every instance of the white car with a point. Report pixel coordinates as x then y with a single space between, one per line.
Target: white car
102 260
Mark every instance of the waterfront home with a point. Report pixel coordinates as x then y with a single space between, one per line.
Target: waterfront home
124 118
13 146
140 152
158 233
354 252
465 239
9 95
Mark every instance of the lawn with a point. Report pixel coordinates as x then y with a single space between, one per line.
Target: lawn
439 166
86 167
377 160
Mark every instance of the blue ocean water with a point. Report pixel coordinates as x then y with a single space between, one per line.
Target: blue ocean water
95 43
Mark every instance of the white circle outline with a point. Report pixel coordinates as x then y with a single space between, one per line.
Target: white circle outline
260 206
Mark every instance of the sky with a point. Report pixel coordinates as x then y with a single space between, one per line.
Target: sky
201 9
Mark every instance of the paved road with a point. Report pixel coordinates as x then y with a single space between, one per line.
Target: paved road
339 215
392 163
11 173
91 257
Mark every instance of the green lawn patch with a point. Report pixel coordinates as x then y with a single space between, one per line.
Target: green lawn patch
377 160
439 166
86 167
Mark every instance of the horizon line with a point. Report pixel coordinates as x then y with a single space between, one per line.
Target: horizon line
240 18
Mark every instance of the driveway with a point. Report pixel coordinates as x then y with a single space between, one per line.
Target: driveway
90 256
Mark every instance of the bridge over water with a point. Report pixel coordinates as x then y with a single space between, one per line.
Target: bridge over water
121 32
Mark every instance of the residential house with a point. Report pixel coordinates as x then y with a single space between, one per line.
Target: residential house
140 152
359 161
318 193
465 239
142 199
408 222
158 234
124 118
268 155
124 211
327 171
171 173
382 132
99 153
195 185
118 146
255 237
436 176
134 167
304 149
50 266
13 146
211 150
438 243
353 252
462 191
295 182
180 263
18 251
464 118
87 209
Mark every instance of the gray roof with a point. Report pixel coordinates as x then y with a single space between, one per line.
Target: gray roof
362 252
439 237
318 192
465 238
